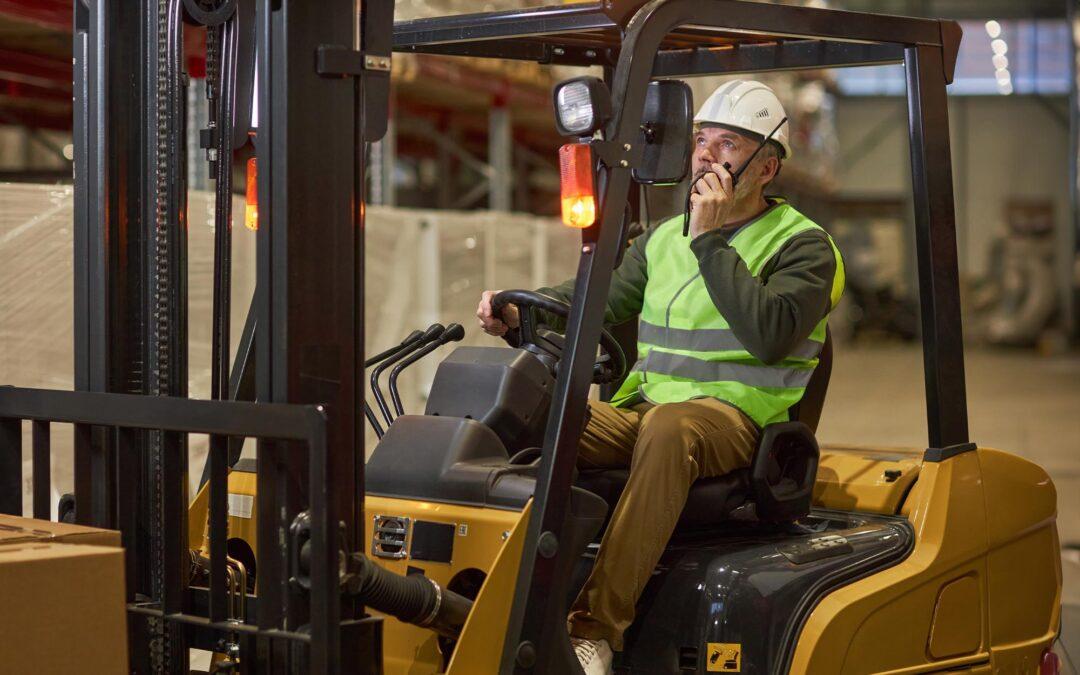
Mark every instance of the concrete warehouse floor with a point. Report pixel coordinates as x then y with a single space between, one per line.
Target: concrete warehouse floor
1017 402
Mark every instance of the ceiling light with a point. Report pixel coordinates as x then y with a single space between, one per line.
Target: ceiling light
993 28
1002 76
1006 88
1000 61
999 47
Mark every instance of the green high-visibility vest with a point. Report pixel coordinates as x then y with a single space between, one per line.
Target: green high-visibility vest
686 348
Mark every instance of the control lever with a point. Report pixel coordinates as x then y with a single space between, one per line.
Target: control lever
430 335
368 412
409 339
454 333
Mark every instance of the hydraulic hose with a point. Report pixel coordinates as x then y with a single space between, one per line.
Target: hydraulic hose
414 599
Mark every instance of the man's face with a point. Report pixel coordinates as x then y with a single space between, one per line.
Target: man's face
716 145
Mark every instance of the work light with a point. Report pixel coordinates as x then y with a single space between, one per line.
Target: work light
582 105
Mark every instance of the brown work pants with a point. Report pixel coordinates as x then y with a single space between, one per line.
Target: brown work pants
667 448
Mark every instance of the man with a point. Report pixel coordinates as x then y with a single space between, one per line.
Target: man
731 321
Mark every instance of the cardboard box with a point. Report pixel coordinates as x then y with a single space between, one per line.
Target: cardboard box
62 609
16 530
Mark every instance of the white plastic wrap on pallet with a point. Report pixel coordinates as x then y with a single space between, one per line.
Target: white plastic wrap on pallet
37 296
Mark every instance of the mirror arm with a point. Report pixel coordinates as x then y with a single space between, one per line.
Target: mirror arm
618 155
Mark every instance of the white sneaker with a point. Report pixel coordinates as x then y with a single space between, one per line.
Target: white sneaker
595 655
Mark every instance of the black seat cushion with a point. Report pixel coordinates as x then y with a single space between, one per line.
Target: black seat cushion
710 501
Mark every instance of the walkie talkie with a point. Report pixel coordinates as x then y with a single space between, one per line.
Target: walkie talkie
735 176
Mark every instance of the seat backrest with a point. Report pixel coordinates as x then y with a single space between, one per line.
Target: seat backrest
808 410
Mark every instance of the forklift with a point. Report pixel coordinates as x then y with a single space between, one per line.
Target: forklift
457 547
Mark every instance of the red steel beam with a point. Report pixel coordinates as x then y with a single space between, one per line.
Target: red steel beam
38 119
36 69
17 89
51 14
500 89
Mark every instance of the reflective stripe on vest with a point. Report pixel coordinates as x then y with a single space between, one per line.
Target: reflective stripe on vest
688 349
709 340
752 375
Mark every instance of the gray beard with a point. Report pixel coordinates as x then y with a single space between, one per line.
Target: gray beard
743 188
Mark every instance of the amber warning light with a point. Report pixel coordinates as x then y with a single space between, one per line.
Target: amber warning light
576 185
251 204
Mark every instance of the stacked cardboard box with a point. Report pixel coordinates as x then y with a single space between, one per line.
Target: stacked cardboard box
62 604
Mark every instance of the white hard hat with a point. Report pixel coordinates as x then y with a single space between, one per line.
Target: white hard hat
746 105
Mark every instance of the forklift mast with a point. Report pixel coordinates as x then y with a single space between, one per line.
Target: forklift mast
130 408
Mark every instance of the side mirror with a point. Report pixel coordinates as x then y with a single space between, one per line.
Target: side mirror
666 127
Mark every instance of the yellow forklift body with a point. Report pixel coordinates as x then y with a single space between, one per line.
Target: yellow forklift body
481 644
490 543
965 598
869 480
242 513
481 535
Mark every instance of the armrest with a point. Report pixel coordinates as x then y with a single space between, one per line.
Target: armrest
783 471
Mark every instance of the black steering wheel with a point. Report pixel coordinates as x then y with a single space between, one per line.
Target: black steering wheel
612 363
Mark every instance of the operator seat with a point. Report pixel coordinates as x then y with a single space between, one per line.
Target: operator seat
785 464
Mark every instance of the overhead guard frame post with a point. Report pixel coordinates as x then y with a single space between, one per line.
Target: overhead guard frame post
534 631
535 614
935 243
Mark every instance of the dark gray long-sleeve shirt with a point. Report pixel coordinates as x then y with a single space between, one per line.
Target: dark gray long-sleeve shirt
770 314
